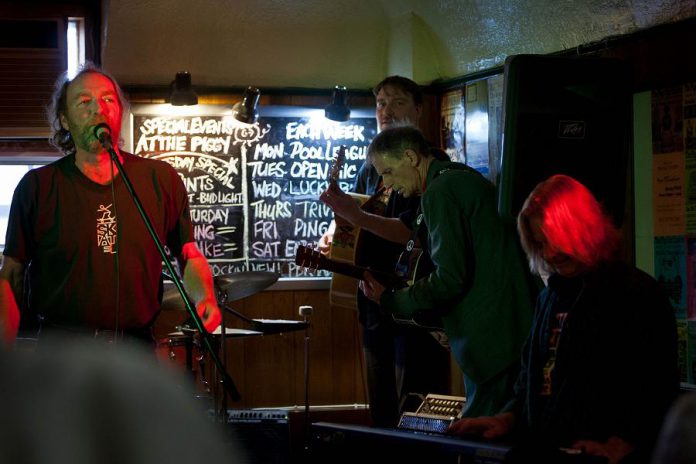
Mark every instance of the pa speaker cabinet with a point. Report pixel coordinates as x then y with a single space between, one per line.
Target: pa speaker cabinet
566 115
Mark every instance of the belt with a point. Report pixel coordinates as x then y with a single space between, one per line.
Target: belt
108 336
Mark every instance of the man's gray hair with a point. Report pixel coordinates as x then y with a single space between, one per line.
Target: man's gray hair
394 141
61 137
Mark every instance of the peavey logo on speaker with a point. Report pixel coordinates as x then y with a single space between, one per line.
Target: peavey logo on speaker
571 129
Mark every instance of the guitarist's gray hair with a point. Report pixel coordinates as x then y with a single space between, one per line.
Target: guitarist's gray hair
393 141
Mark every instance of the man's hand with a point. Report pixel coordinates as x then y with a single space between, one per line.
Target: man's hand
342 204
11 279
198 282
486 427
614 450
324 243
209 313
371 287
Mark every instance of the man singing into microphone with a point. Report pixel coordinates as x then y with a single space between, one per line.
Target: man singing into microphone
91 266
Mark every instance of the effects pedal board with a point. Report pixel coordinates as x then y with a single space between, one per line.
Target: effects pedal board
435 414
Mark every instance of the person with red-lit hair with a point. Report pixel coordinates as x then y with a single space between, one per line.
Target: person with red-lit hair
564 230
599 368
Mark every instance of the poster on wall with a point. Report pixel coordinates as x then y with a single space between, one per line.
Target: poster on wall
690 155
495 124
671 271
465 126
669 208
477 150
691 349
691 277
683 351
673 120
667 120
690 117
452 119
253 189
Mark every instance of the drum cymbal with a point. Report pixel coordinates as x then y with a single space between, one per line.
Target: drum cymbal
230 287
229 332
172 301
240 285
276 326
236 333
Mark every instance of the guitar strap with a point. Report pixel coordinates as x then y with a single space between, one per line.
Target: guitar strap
403 265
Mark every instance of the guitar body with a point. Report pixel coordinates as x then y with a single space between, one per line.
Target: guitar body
419 265
344 248
347 247
312 259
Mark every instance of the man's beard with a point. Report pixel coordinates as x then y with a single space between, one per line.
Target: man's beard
84 139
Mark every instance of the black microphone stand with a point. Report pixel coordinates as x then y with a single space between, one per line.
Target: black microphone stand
102 133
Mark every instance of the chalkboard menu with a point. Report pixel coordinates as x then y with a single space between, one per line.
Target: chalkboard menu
253 189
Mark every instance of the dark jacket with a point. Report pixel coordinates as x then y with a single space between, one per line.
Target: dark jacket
480 282
616 369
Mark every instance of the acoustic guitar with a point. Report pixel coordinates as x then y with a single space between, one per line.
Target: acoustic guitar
312 259
348 239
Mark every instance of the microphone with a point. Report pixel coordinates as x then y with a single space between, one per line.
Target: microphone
102 132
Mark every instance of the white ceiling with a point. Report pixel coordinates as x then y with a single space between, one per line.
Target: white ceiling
321 43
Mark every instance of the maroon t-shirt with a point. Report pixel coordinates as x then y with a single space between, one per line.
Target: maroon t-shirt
89 254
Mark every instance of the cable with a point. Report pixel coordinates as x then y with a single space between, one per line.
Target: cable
361 354
117 267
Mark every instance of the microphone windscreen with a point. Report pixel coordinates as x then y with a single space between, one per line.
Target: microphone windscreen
102 132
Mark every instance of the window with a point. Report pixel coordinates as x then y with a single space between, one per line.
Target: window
11 174
12 168
76 44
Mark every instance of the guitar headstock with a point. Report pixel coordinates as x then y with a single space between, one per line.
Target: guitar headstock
335 171
309 258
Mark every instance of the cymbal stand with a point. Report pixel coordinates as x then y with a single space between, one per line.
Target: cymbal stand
237 313
305 312
221 412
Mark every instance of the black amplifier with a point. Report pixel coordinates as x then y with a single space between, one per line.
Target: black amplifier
278 435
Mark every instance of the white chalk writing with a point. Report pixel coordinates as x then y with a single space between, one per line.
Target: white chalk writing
297 130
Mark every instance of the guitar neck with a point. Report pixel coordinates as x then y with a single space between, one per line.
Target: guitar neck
312 259
345 269
357 272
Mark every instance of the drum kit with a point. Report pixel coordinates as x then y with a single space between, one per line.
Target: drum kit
183 348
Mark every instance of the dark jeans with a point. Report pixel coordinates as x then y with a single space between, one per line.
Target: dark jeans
401 361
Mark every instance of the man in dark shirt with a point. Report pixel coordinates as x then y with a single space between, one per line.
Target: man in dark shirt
90 264
598 322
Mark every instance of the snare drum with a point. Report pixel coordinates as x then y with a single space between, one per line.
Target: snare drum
184 354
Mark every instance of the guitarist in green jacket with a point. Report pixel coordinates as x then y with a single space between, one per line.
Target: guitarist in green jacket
481 281
400 360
